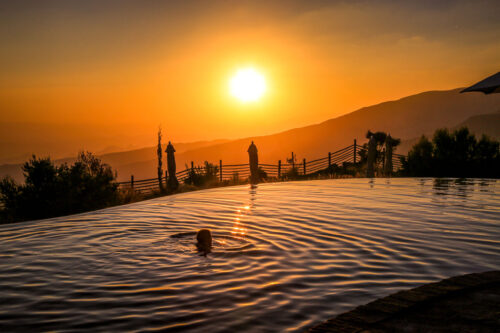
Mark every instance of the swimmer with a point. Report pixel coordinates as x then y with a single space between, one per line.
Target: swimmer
204 241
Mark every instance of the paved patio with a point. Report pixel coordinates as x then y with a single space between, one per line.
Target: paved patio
466 303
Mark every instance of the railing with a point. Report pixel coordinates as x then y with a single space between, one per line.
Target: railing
342 158
396 161
141 186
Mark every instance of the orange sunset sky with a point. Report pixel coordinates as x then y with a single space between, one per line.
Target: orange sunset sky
100 74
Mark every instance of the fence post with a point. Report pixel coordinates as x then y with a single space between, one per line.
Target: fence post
279 169
355 146
220 170
192 167
304 161
132 181
329 159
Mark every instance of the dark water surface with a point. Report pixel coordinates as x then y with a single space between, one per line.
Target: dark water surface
286 256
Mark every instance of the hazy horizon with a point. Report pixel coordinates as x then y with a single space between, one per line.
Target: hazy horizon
103 75
71 148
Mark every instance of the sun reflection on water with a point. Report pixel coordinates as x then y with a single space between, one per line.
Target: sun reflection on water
239 229
281 250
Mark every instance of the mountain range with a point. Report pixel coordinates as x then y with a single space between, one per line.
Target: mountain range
407 118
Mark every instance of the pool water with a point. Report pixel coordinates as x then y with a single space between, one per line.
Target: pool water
286 255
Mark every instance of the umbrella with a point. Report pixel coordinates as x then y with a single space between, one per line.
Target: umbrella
488 86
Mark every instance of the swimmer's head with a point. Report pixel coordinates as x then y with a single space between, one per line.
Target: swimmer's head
204 240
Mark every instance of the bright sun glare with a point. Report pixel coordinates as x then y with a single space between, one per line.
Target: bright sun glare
247 85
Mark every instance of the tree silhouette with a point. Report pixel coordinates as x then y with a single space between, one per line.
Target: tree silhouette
380 140
51 190
456 154
159 152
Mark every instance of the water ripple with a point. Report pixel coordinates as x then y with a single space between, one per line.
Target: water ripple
285 255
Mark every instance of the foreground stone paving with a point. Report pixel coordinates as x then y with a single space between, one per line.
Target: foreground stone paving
466 303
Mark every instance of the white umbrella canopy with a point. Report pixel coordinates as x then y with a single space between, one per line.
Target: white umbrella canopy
489 85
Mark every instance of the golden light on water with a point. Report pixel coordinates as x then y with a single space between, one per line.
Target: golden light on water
247 85
239 230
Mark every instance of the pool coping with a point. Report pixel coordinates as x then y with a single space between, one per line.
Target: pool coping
366 317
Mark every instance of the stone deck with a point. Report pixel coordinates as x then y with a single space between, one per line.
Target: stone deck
466 303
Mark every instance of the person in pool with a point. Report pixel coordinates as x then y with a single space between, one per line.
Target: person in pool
204 241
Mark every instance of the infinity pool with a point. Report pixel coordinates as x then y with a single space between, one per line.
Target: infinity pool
286 255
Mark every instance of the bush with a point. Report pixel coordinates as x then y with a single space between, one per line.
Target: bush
381 139
419 158
262 174
292 173
200 176
51 190
456 154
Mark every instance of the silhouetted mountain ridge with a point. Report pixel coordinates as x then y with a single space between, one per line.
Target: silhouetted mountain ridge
406 118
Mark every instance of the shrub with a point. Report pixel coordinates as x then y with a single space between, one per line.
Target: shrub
200 176
456 154
380 140
292 173
419 158
262 174
51 190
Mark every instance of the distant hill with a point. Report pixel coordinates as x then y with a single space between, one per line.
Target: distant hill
488 124
124 162
406 118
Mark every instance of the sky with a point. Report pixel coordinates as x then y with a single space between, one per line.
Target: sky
105 74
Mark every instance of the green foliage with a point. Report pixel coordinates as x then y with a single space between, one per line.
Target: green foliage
419 158
393 141
200 176
51 190
211 171
456 154
378 136
292 173
380 140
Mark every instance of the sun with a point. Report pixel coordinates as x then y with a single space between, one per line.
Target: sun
247 85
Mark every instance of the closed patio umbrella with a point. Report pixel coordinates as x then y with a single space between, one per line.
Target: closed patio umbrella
488 86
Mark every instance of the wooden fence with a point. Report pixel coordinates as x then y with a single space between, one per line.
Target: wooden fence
342 158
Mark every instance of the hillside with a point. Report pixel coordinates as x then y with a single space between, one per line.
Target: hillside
488 124
406 118
121 161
